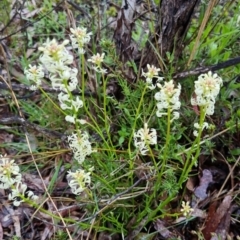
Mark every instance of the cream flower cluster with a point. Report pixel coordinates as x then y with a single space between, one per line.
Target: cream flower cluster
151 74
58 61
168 98
77 180
10 178
80 145
19 194
55 56
186 209
145 137
207 88
198 127
79 38
34 74
9 172
97 60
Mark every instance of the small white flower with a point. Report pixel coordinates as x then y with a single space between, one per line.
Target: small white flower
97 60
207 88
79 38
145 137
33 87
19 194
63 76
67 103
198 127
175 116
70 119
168 98
30 195
186 209
77 103
9 172
78 180
81 121
100 70
80 145
55 55
34 74
150 74
195 133
64 100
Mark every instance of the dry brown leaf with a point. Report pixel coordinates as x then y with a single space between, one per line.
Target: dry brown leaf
191 183
201 191
15 215
159 225
47 233
216 216
34 182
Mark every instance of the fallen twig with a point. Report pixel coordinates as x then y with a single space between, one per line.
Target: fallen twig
200 70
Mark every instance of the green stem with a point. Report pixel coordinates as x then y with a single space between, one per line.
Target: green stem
165 153
95 127
54 104
191 161
134 127
107 125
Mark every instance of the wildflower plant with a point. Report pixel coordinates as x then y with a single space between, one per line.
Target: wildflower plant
97 62
58 64
168 99
186 209
80 37
206 90
150 75
145 137
9 172
19 194
78 180
132 131
58 61
34 74
80 145
11 178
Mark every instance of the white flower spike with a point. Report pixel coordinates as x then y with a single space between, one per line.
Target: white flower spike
35 74
78 180
97 60
168 98
80 145
9 172
145 137
207 87
150 74
79 38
